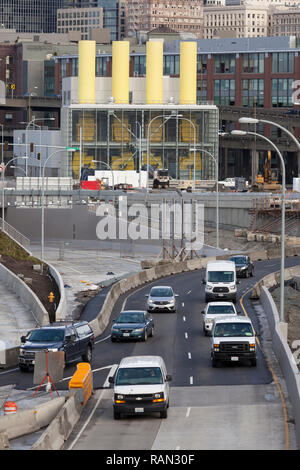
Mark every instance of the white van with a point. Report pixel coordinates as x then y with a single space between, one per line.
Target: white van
233 340
141 386
220 281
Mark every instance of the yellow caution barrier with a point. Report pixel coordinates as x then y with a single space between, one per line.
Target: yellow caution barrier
83 379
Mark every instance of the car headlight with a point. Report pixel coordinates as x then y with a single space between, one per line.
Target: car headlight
150 301
209 287
158 397
232 287
138 330
115 330
53 349
243 267
209 320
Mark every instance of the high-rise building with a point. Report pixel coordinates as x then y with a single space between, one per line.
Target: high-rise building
114 14
185 16
29 16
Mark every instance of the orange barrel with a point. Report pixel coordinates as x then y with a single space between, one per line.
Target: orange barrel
10 407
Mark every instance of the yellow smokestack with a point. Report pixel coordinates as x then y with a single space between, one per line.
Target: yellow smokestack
86 71
120 71
154 72
188 72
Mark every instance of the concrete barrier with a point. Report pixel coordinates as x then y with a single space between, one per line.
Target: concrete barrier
61 311
284 356
27 421
62 425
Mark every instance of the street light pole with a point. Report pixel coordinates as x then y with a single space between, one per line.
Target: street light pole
43 197
282 255
217 192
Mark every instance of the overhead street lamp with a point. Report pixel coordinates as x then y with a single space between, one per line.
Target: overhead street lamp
282 255
61 149
249 120
217 190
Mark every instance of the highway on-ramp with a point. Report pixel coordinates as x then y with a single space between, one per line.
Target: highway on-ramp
228 407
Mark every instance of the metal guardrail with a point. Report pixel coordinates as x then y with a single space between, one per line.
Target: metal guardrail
15 235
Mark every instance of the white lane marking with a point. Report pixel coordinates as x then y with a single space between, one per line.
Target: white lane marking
189 292
104 339
182 304
186 335
183 318
191 380
189 356
188 412
8 371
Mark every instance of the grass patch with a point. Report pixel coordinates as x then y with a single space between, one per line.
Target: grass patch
9 248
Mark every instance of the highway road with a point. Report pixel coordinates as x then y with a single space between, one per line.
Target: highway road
228 407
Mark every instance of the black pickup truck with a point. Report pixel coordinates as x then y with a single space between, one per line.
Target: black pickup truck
76 340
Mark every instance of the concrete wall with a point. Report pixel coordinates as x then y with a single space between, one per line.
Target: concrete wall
284 356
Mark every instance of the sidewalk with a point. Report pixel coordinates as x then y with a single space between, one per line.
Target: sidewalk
84 270
16 319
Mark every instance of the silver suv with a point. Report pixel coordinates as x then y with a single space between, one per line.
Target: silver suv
161 298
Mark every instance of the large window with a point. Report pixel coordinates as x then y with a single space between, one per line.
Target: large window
139 65
253 93
224 92
224 63
201 64
253 63
171 64
101 66
282 91
283 62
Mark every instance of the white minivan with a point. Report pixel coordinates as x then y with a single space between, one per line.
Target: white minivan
141 386
220 281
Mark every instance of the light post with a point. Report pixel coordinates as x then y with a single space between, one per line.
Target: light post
217 191
240 133
3 193
140 153
109 168
67 149
28 124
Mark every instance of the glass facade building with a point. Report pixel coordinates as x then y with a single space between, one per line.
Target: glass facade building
29 16
111 134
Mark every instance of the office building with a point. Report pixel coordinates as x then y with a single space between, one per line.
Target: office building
32 16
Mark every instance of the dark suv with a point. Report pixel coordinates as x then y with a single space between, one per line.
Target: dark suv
76 340
243 265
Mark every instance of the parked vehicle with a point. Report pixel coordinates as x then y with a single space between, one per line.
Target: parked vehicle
233 340
76 340
214 310
132 324
220 281
141 386
161 298
161 178
243 265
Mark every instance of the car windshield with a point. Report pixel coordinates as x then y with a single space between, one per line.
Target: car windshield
47 335
131 318
220 276
239 260
233 329
139 376
219 309
161 292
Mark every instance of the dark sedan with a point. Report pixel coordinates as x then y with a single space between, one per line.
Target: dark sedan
243 265
133 324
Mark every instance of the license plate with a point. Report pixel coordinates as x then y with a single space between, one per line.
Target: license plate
221 295
234 358
126 334
139 410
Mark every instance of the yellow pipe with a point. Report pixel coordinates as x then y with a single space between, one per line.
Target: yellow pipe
188 72
86 71
154 72
120 71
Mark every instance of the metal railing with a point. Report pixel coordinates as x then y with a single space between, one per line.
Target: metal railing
15 235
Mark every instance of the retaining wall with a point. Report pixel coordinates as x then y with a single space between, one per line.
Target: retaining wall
284 355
